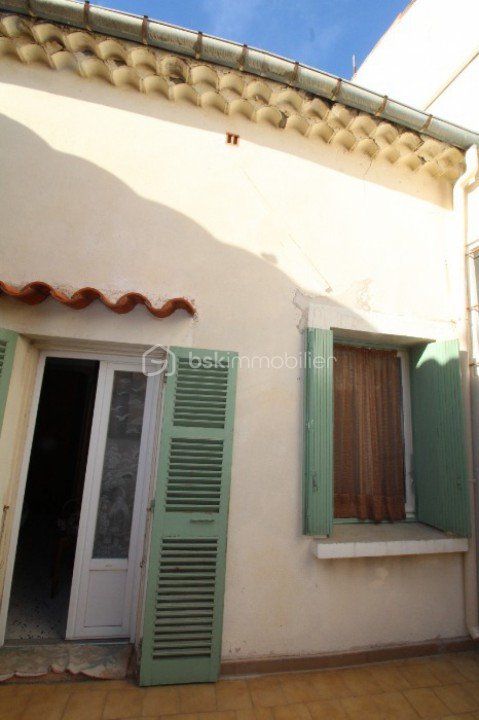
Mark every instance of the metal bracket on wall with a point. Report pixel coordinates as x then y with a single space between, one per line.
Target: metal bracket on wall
144 30
86 15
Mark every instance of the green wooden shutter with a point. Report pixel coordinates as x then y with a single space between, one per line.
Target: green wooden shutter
184 597
440 467
318 434
8 340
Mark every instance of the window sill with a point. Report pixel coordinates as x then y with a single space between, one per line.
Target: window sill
395 539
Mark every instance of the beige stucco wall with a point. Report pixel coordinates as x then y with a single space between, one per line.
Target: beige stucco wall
106 187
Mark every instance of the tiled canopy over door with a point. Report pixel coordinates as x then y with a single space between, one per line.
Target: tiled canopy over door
184 599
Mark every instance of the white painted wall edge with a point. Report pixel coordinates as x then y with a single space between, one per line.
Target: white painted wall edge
332 551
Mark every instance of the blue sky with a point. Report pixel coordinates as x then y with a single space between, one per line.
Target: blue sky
322 33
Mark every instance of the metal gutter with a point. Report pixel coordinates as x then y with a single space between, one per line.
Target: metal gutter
230 54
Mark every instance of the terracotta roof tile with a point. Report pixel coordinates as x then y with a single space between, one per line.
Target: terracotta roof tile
36 292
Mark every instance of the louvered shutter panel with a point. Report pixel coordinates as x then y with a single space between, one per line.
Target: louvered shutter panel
318 434
440 467
8 340
184 597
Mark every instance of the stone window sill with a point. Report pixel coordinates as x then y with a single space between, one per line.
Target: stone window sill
395 539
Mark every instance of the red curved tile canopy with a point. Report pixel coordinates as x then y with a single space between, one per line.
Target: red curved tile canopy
36 292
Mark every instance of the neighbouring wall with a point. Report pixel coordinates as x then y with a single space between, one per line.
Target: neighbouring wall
105 187
429 58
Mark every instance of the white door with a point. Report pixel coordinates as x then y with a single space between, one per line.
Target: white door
112 521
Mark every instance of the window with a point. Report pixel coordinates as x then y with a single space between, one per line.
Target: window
372 440
436 431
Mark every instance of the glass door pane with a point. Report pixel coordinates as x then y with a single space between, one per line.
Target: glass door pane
120 466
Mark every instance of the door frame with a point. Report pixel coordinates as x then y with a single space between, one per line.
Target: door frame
59 350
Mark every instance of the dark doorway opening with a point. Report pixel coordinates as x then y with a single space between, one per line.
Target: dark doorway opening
51 508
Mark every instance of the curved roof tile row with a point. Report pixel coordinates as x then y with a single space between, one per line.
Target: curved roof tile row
151 70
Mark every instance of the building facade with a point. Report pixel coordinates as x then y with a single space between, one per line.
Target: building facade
258 225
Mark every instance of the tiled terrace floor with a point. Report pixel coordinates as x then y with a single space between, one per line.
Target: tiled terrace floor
439 687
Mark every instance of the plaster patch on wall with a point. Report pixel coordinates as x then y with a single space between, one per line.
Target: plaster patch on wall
358 295
302 302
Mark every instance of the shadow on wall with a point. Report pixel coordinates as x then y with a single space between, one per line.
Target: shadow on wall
71 223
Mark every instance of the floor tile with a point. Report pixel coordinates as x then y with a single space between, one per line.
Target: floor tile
426 702
389 677
385 706
327 710
233 695
445 687
12 706
197 698
259 682
298 689
418 674
255 713
18 689
360 707
268 697
360 681
457 698
85 705
266 692
467 664
445 671
295 711
394 706
46 703
217 715
122 704
89 685
302 676
161 701
473 689
329 685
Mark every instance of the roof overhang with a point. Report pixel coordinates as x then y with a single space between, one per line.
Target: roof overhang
200 46
151 70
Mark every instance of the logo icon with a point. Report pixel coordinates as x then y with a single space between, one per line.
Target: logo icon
158 360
